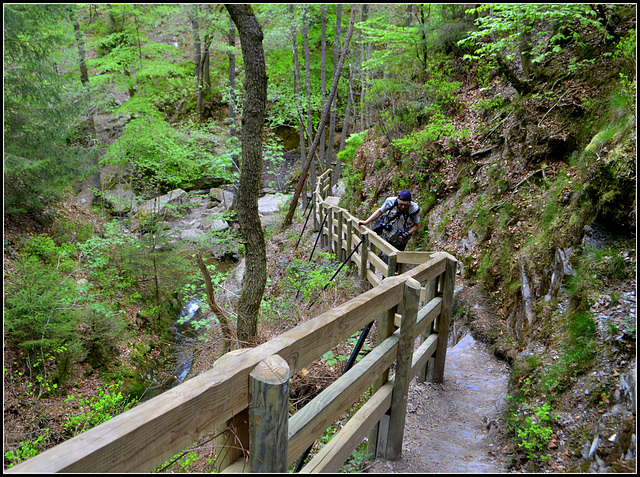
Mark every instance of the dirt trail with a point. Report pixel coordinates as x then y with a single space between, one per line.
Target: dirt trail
450 427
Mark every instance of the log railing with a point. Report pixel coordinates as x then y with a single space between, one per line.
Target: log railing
246 391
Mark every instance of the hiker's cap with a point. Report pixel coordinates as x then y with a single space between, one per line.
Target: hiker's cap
404 195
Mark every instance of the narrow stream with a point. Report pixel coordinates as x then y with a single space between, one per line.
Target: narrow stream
185 336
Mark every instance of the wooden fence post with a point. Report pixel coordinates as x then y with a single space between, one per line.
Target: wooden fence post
409 311
341 255
386 328
430 294
349 238
314 210
448 285
392 264
269 416
364 251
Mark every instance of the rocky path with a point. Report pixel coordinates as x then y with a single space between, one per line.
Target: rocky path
450 427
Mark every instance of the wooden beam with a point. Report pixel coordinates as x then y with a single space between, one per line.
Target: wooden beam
310 422
444 319
336 452
269 416
409 311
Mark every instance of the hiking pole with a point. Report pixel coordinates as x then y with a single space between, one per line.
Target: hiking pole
349 365
337 271
305 224
342 265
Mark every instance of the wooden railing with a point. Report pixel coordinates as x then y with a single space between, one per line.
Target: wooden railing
341 232
245 392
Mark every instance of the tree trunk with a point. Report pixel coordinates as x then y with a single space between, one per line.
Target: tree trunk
84 79
255 276
345 127
423 35
322 156
522 87
363 80
197 59
231 39
332 119
296 89
323 120
307 64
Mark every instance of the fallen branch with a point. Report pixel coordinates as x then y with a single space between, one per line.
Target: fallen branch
515 189
227 333
563 94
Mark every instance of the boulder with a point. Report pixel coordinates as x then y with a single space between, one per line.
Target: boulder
166 206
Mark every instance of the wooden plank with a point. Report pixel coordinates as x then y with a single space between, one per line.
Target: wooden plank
340 244
336 452
371 276
378 264
414 258
427 315
433 267
430 293
422 354
310 422
364 255
382 244
233 434
444 319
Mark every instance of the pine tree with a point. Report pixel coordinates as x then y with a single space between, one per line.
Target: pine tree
39 114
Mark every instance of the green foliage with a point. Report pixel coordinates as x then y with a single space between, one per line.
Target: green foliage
40 109
331 360
95 410
531 432
27 449
309 277
352 178
353 142
517 29
438 127
40 314
166 157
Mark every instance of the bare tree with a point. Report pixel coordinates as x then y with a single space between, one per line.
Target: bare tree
332 119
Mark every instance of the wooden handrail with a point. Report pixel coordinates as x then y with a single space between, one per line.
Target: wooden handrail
146 436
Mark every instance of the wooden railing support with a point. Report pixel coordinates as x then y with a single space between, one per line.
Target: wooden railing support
385 329
269 416
392 264
448 285
339 248
364 252
430 293
409 312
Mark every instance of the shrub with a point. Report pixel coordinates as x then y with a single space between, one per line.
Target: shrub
40 316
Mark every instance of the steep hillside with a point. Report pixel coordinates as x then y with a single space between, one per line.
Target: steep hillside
535 195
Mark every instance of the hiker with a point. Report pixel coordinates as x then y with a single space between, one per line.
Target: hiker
398 218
